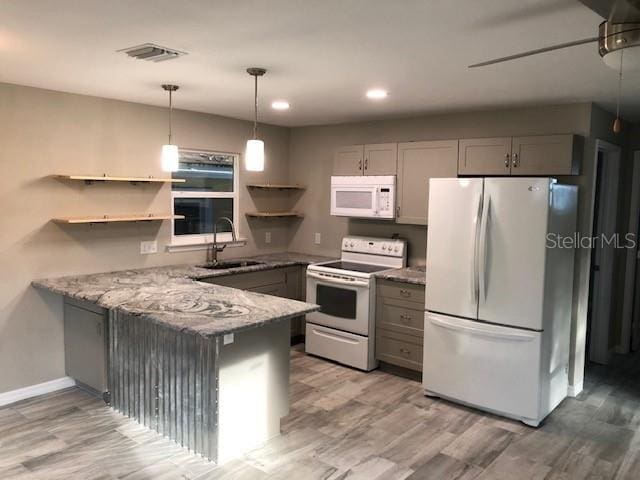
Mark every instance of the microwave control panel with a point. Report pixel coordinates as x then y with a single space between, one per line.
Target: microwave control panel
385 200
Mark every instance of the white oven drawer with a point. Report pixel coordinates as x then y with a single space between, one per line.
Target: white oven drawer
346 348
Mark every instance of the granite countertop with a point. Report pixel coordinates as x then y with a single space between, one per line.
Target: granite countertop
172 296
414 275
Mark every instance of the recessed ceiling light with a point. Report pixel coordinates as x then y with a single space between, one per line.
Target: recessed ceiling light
377 94
280 105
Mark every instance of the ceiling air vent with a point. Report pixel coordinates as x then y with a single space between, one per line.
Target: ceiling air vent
152 52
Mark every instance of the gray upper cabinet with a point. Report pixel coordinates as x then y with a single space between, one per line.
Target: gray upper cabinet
373 159
485 156
348 160
417 163
546 155
380 159
531 155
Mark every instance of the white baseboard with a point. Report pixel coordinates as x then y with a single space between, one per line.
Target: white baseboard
574 390
13 396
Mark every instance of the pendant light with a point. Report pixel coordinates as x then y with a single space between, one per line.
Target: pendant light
170 158
254 155
617 123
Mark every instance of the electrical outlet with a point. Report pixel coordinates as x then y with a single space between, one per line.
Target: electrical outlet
318 238
267 237
149 247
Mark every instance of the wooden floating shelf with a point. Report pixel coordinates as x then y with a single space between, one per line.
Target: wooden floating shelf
275 186
143 217
89 179
274 214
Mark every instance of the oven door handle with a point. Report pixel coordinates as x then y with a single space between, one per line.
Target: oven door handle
337 281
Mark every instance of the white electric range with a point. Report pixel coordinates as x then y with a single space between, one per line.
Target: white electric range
344 328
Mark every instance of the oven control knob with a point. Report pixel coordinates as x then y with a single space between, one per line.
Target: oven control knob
397 249
384 247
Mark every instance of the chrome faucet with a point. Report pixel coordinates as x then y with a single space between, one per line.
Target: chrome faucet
212 252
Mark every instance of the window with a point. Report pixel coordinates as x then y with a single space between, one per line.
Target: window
210 191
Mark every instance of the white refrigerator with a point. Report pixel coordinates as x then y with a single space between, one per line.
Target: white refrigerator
498 295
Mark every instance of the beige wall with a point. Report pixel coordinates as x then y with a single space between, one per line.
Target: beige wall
46 132
311 152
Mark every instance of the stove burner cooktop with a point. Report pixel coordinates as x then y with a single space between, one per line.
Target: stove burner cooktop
356 267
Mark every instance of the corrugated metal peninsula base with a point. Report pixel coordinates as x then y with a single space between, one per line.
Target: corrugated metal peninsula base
165 379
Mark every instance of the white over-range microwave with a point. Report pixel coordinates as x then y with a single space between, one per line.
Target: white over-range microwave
364 196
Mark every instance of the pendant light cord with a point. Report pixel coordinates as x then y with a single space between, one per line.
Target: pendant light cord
619 85
255 108
170 113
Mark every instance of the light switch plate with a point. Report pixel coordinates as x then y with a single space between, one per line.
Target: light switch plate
149 247
318 238
267 237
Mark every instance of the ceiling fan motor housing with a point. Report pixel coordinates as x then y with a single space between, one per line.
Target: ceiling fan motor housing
615 37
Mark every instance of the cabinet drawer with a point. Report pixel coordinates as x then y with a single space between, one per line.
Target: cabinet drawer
398 349
401 291
392 314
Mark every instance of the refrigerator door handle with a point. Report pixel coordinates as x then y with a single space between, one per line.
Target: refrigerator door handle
482 269
474 254
489 331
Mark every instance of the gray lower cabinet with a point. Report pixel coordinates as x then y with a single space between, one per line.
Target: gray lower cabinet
85 344
400 324
281 282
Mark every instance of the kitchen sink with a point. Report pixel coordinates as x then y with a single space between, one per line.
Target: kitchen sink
231 264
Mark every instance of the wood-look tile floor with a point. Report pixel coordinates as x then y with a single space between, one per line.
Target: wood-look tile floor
344 424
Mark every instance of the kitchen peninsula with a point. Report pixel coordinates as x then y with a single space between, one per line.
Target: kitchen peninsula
203 364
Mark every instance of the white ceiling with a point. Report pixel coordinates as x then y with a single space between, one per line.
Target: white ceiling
322 55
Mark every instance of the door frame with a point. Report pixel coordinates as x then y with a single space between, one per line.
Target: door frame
598 347
630 282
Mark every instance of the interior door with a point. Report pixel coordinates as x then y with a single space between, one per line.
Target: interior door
512 251
417 163
454 212
485 156
348 160
380 159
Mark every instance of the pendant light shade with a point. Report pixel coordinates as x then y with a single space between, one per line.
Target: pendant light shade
170 158
170 161
254 154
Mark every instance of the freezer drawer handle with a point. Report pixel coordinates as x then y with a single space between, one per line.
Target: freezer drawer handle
333 336
515 336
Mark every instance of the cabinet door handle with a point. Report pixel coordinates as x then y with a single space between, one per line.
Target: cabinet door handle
506 160
405 351
359 164
405 293
515 160
366 163
398 211
405 318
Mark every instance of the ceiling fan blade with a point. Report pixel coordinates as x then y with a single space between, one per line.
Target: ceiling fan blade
601 7
535 52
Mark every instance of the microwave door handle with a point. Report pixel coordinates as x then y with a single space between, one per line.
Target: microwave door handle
337 281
